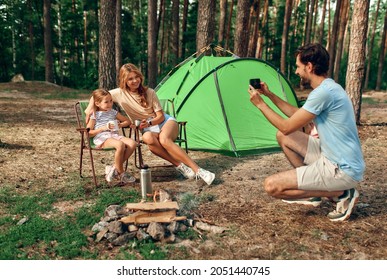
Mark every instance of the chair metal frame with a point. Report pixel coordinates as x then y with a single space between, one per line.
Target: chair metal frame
86 142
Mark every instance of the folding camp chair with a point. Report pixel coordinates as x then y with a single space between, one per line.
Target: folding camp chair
181 139
86 140
169 109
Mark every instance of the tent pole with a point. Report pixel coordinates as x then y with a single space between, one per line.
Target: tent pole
224 114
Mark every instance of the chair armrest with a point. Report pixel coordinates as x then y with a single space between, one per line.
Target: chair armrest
83 129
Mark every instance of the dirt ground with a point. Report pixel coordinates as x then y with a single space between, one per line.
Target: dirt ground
39 149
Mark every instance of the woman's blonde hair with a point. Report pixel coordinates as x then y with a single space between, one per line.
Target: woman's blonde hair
98 96
125 70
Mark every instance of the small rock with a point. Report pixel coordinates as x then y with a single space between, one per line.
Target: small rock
142 235
111 211
99 226
156 231
132 228
324 236
111 236
173 227
22 221
115 227
211 228
108 219
170 239
123 239
101 234
362 205
195 250
183 228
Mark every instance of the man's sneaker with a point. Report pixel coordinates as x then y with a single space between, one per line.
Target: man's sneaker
111 173
344 206
314 201
186 171
207 176
125 178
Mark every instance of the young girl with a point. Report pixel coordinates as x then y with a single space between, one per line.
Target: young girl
105 134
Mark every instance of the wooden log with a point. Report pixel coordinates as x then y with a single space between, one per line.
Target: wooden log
132 217
151 206
143 217
158 217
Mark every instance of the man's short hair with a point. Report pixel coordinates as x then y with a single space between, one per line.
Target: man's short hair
317 55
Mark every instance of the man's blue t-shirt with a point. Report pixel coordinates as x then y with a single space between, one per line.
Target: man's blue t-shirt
336 126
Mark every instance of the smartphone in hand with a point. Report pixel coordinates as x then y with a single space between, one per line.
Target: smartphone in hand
255 83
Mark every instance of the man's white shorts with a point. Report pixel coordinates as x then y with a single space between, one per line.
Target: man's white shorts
320 173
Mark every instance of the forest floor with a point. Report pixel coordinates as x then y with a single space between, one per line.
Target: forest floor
40 151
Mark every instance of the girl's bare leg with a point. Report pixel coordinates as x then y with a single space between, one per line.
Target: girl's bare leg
130 147
119 146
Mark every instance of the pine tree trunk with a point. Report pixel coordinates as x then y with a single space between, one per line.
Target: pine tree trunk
222 21
107 27
159 18
152 43
60 45
253 39
314 24
371 46
356 58
31 39
206 23
321 28
344 11
285 32
229 23
48 50
242 30
175 31
382 55
184 29
161 31
118 39
308 27
260 41
333 39
85 44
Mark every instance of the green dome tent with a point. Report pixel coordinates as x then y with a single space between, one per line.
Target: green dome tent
210 93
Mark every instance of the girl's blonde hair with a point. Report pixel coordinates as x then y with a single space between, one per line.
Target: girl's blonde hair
125 70
98 96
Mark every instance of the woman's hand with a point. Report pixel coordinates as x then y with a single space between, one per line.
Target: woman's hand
143 124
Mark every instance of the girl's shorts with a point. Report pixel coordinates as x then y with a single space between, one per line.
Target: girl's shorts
103 136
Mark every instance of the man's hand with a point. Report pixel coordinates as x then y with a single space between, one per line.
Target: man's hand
255 96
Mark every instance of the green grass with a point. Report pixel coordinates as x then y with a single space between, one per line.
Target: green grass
57 235
49 234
